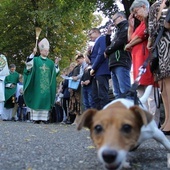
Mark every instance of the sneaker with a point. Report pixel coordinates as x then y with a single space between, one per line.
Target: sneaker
64 121
68 122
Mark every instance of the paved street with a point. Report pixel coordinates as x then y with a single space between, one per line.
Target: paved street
28 146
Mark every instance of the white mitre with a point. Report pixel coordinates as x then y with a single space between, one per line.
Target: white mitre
44 44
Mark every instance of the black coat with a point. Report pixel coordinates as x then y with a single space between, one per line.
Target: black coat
21 102
87 76
115 51
66 93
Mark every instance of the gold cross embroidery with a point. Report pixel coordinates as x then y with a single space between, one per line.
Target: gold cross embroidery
44 68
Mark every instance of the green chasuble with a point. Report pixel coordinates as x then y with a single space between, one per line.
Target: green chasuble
40 84
13 78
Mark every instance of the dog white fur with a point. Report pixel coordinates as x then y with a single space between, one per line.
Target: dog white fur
148 130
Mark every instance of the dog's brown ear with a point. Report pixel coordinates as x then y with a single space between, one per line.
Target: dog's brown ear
143 114
86 119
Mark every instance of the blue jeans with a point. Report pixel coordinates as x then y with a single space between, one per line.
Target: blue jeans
87 97
58 113
121 80
100 88
22 112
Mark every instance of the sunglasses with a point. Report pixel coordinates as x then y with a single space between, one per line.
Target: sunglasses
114 20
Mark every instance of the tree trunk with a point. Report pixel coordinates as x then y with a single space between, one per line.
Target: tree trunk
127 4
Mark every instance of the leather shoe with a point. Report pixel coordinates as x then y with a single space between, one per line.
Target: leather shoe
166 132
37 122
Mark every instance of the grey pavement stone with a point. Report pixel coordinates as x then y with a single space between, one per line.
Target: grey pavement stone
28 146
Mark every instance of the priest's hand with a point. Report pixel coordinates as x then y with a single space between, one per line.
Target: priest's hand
57 59
34 50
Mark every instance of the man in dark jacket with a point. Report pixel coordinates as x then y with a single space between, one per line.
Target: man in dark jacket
119 59
100 70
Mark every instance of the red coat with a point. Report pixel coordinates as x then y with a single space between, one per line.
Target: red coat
139 54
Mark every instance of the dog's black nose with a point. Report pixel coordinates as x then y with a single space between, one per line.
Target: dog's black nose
109 156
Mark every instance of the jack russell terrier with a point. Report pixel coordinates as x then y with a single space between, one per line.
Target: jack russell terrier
119 128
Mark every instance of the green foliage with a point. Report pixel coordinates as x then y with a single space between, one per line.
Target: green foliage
109 7
63 22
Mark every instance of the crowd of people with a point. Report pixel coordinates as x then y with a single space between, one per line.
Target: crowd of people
86 81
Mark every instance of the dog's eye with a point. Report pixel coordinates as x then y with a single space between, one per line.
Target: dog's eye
126 128
98 128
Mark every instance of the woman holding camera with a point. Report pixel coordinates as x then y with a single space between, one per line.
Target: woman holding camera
157 15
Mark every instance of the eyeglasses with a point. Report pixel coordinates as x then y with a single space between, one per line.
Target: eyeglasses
114 20
136 10
91 33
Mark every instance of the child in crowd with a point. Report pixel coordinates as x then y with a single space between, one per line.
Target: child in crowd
22 109
86 83
19 85
59 111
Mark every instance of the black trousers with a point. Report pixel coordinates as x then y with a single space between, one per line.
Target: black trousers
100 89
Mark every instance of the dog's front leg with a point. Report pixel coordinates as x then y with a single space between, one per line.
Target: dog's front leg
160 137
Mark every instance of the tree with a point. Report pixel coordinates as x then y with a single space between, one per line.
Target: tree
63 22
109 7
